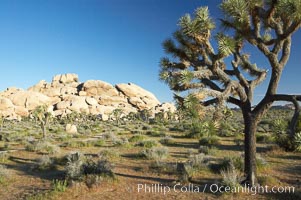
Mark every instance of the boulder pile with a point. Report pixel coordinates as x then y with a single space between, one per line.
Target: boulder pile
66 94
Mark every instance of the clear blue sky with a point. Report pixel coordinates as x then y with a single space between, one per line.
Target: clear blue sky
117 41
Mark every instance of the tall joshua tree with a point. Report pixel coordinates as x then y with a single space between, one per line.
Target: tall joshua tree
199 66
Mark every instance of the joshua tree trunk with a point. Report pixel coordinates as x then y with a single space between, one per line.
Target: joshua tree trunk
250 122
43 130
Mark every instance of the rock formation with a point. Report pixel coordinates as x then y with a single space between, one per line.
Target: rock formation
66 94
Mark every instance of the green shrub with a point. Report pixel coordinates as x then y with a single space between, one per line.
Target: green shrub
100 167
198 161
99 143
59 185
167 140
261 162
123 142
137 138
208 151
231 176
156 133
109 136
108 154
225 164
196 130
92 180
226 130
297 141
209 141
148 143
4 174
42 147
268 180
78 144
239 140
264 138
284 141
204 149
78 167
74 169
44 163
3 157
156 153
279 126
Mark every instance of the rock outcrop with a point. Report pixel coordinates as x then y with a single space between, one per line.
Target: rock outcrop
65 94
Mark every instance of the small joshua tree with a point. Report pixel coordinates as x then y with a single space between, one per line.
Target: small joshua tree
116 114
42 116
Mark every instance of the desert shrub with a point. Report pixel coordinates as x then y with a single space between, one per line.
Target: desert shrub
268 180
138 132
4 174
264 138
284 141
5 147
78 144
238 162
191 152
81 168
208 151
279 126
146 127
64 137
177 128
148 143
163 167
297 141
261 162
96 171
121 142
93 180
167 140
156 153
226 163
100 167
231 176
209 141
109 136
198 161
74 169
204 149
42 146
3 156
226 129
59 185
108 154
155 133
44 163
196 130
137 138
239 140
99 143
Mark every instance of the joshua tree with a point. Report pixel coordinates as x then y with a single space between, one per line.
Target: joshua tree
116 114
267 25
2 118
145 114
43 117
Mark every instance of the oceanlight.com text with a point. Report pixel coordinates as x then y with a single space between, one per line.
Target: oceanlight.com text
213 188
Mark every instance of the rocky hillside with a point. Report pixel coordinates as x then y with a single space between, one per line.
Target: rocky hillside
66 94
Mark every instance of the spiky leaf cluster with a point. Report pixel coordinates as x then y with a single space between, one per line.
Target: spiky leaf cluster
289 9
